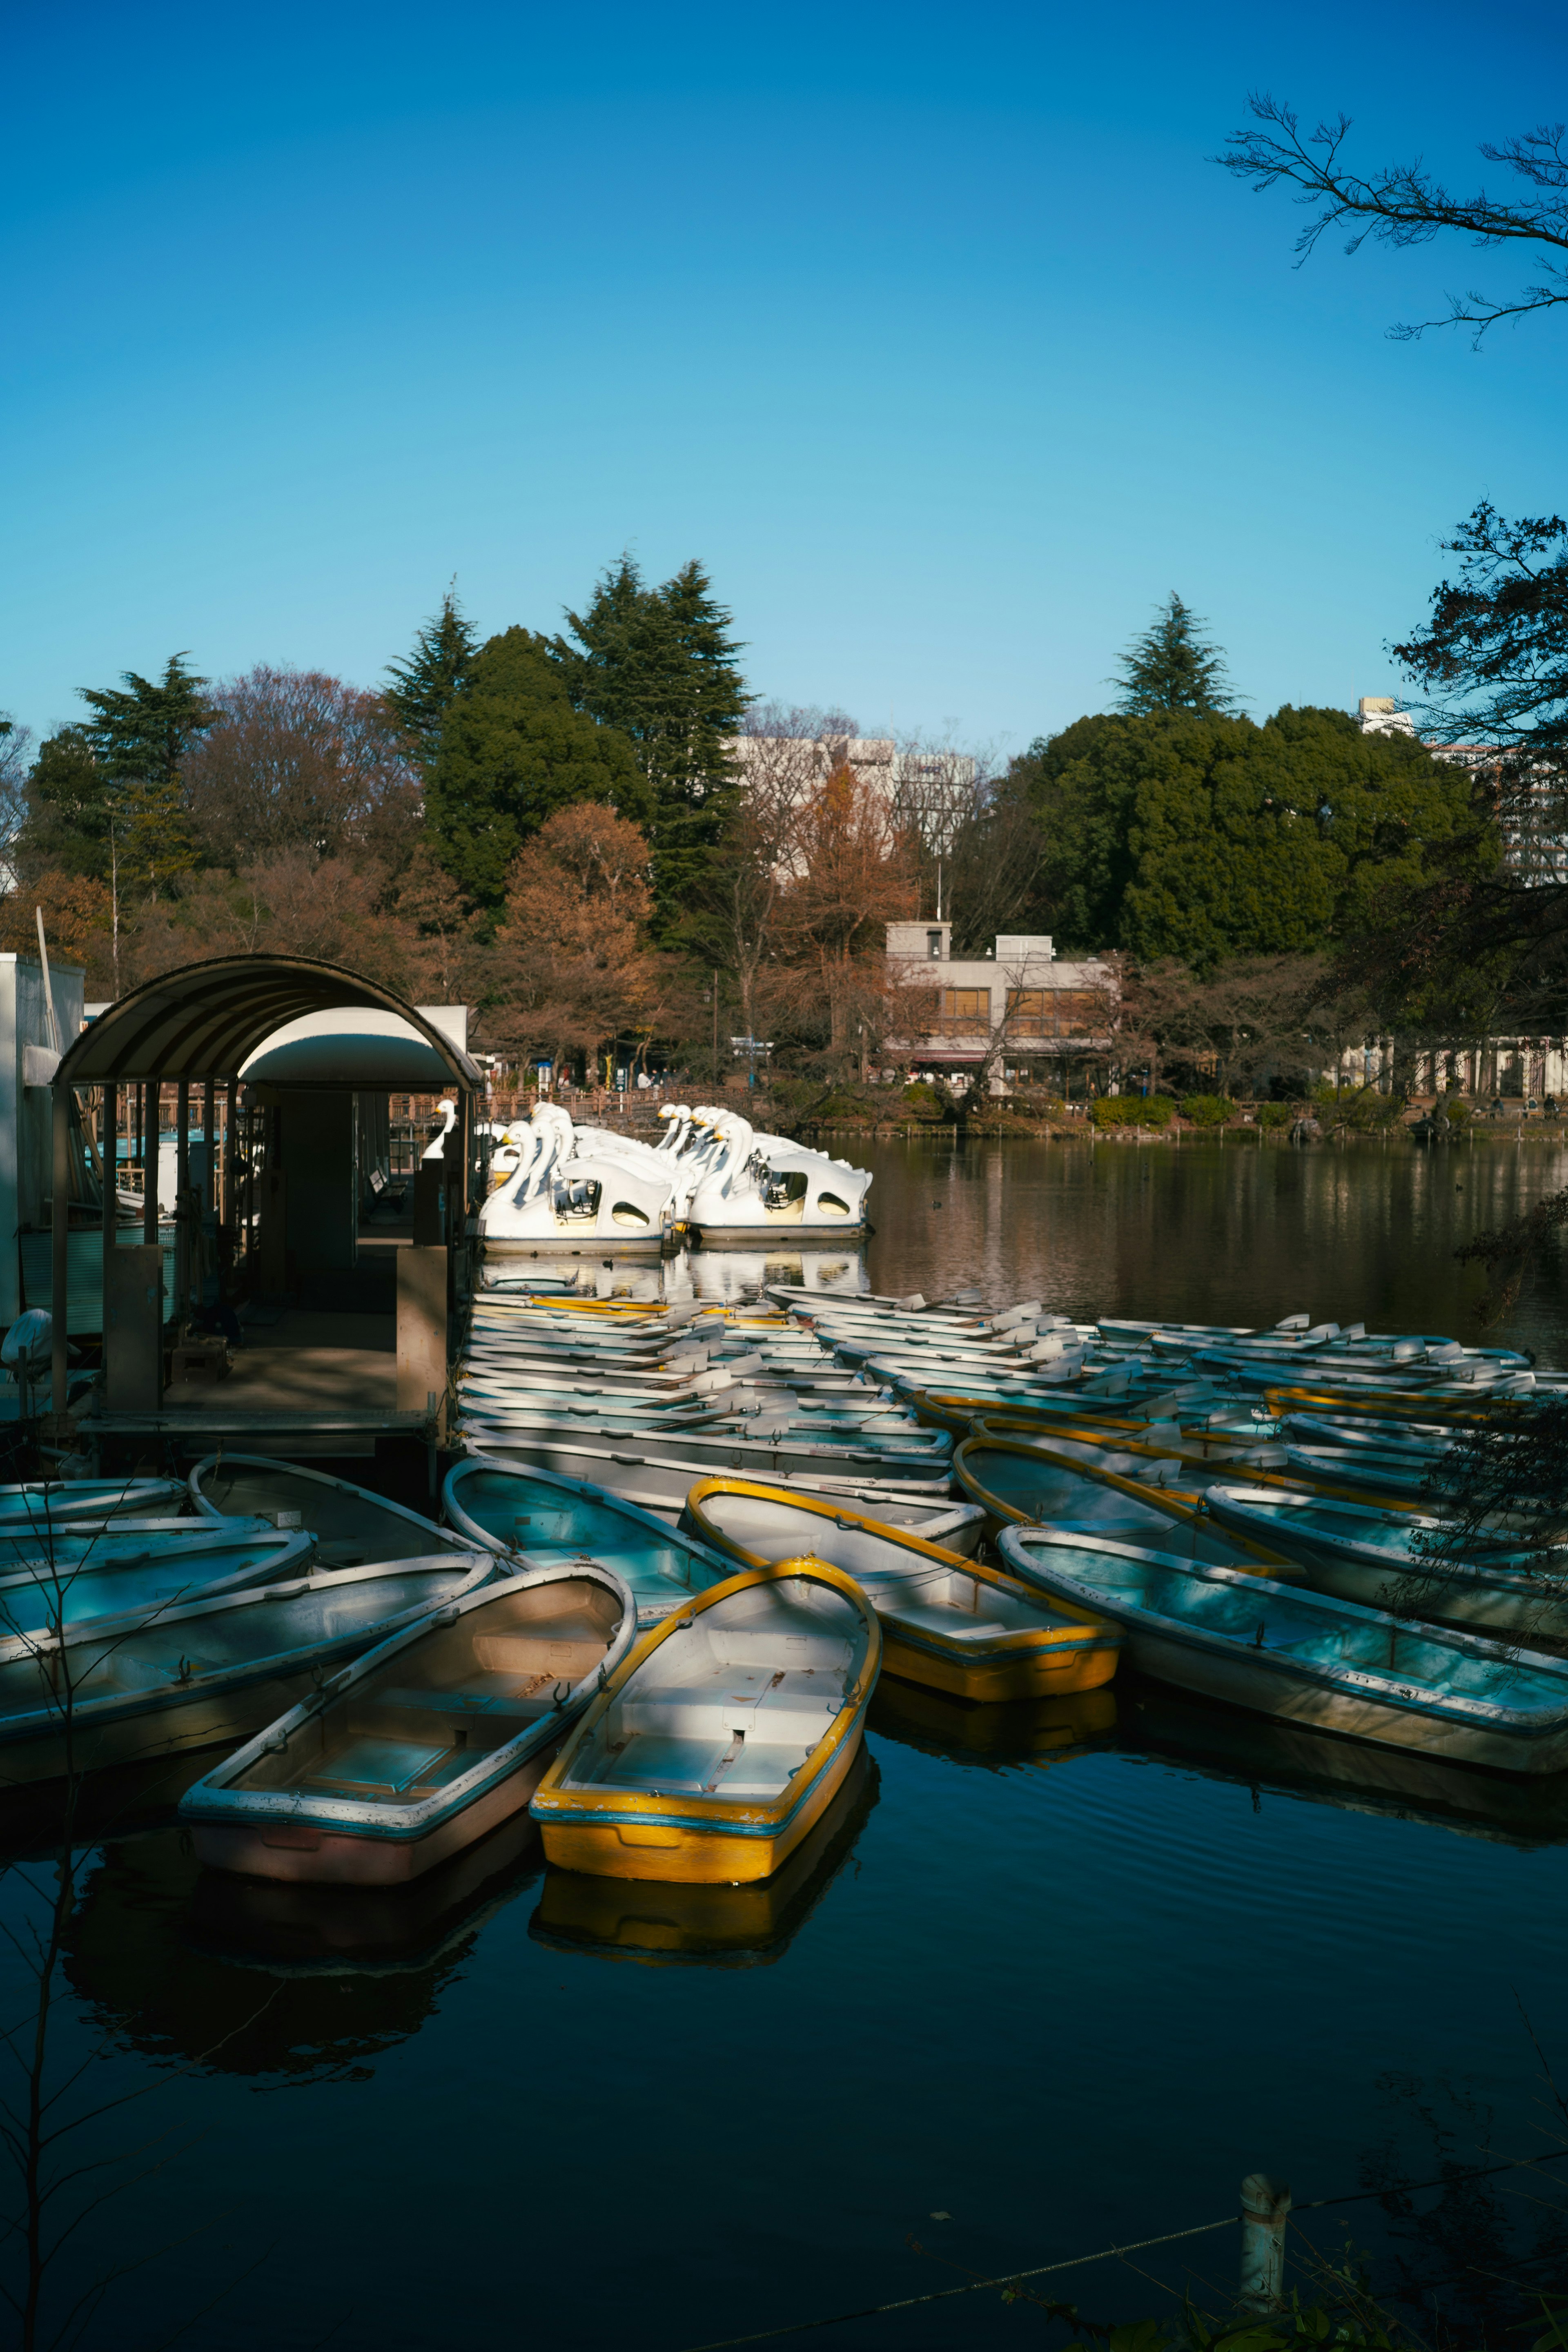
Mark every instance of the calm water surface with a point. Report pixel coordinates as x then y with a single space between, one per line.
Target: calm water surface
1064 1988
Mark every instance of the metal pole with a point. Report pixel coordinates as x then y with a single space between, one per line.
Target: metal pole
1265 2207
182 1184
110 1190
152 1122
59 1210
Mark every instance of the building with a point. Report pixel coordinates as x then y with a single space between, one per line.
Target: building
1532 811
1015 1005
918 782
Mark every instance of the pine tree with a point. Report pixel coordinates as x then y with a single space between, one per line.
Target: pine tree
145 733
424 685
659 663
1172 666
71 804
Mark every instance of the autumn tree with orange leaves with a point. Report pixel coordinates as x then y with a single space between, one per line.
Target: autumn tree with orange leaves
851 871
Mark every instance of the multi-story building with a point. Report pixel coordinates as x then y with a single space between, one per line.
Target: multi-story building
1016 1004
1531 807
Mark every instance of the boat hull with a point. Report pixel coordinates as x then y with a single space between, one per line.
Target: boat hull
694 1855
715 1236
1024 1674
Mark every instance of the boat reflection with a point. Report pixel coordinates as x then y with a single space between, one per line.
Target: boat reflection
122 1802
1254 1751
1020 1731
666 1926
232 1976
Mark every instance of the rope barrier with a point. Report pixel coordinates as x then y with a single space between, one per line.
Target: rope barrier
1109 2253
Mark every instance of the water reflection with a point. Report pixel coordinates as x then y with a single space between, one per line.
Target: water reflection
1019 1731
664 1925
238 1976
1253 1751
122 1802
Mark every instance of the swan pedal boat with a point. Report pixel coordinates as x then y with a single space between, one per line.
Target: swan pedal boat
1280 1650
208 1670
725 1736
1369 1555
353 1527
148 1566
424 1746
970 1630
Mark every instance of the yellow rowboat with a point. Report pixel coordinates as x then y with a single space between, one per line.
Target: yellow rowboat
1393 1404
974 1633
1042 1731
720 1743
1150 1461
1029 1485
748 1927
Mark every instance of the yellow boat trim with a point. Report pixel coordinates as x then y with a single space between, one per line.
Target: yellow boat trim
711 1840
1184 1508
1294 1481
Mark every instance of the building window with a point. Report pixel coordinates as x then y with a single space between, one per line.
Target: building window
933 946
964 1011
1052 1012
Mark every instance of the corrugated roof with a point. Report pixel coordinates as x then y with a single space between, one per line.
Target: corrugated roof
206 1020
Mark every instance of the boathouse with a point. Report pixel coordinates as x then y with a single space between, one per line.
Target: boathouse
279 1206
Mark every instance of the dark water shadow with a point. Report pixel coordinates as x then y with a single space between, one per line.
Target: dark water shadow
1015 1731
664 1925
1223 1743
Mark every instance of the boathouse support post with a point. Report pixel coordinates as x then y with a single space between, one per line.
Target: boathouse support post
1265 2209
152 1131
181 1219
60 1228
110 1157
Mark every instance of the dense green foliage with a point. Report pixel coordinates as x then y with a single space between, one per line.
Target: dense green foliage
1133 1110
512 752
1172 666
143 728
425 686
1207 1110
71 802
658 664
1200 838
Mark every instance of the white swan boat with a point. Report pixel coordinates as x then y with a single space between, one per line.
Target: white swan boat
764 1184
579 1200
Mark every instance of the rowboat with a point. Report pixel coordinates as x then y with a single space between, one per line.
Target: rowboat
424 1746
1377 1557
1023 1485
696 1926
40 1501
532 1516
1280 1651
725 1736
659 1482
923 1456
155 1565
948 1622
352 1527
123 1688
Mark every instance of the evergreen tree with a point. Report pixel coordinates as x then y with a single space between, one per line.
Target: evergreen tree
146 731
424 685
71 803
659 663
511 752
1172 666
1201 836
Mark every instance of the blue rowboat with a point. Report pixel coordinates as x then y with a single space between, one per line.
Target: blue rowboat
424 1745
39 1502
121 1689
529 1514
1328 1663
351 1526
153 1566
1379 1559
658 1473
1023 1485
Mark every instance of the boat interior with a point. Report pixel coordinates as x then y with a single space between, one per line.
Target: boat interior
235 1630
114 1587
352 1529
443 1701
733 1701
1318 1632
550 1523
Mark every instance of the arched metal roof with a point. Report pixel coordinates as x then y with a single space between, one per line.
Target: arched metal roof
206 1020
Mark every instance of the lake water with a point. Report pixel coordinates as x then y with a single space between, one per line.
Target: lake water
1059 1979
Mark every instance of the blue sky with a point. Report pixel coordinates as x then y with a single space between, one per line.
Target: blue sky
931 330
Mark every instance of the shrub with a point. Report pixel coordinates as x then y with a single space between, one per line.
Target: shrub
1273 1115
1208 1110
1455 1111
1132 1110
922 1096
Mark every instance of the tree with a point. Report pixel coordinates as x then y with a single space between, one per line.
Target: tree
1172 666
514 752
425 686
144 731
1494 654
296 759
15 742
1403 204
1199 838
659 663
447 954
70 805
573 960
854 874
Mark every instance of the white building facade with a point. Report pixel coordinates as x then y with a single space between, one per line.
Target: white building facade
1015 1005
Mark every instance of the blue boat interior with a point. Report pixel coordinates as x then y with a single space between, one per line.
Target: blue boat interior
548 1522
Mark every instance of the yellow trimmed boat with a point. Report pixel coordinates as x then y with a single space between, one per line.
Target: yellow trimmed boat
948 1622
723 1738
1025 1485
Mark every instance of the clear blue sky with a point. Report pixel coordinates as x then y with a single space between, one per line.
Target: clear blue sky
930 331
